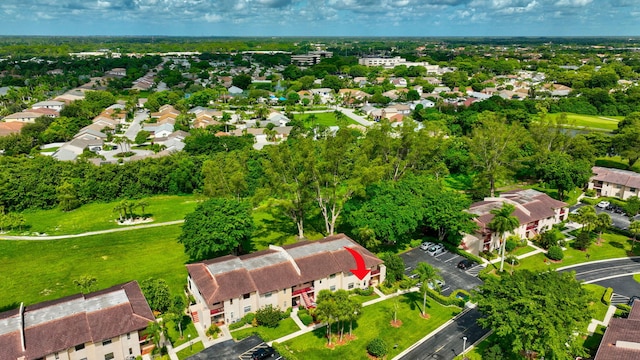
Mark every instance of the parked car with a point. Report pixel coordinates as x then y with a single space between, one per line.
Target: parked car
425 245
436 249
466 264
263 353
439 284
603 204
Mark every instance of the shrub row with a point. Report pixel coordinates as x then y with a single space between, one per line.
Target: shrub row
606 296
363 292
247 319
444 300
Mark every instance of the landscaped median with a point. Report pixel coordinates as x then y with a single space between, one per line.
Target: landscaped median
374 322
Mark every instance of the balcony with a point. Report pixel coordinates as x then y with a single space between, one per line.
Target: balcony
375 272
300 291
216 311
532 226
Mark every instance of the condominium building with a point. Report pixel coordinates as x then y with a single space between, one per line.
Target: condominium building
228 287
310 58
104 325
618 183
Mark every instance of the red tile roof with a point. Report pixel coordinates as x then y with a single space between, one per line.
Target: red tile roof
621 340
531 205
616 176
269 270
63 323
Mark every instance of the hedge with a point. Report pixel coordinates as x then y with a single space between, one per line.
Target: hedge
237 325
377 347
606 297
284 352
444 300
555 253
306 319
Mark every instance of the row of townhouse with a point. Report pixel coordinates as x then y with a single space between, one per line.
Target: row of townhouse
229 287
618 183
104 325
537 212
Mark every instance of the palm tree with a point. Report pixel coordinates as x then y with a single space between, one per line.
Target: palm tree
603 221
634 227
142 204
503 222
426 274
226 117
119 208
586 216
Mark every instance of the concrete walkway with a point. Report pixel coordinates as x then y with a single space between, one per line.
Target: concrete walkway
202 337
357 118
296 319
90 233
594 323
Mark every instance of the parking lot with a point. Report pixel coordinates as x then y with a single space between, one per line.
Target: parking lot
447 263
618 218
231 349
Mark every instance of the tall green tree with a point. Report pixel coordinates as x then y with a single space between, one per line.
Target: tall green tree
602 223
627 143
427 274
289 169
156 291
634 227
536 313
67 196
225 175
503 222
327 310
444 213
586 216
217 227
494 147
563 172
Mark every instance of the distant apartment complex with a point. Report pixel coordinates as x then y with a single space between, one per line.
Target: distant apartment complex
536 211
310 58
229 287
390 63
103 325
618 183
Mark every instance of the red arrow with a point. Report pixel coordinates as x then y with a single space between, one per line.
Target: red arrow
360 272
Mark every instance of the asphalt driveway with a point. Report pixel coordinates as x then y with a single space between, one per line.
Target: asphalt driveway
231 349
447 263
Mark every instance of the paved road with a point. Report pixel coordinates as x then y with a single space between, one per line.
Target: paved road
90 233
135 126
357 118
623 286
231 349
447 264
448 343
596 271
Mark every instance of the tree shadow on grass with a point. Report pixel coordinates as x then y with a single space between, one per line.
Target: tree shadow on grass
8 307
414 300
275 230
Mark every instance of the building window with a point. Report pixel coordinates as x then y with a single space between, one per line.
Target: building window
56 356
332 288
128 336
246 296
247 309
79 347
232 315
130 351
267 295
332 276
350 286
106 342
231 302
632 189
109 356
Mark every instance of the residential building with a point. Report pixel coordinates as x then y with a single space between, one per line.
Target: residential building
104 325
228 287
310 58
51 104
618 183
621 340
391 62
536 211
8 128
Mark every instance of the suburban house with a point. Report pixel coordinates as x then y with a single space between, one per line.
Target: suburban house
621 338
51 104
8 128
618 183
536 211
104 325
23 116
228 287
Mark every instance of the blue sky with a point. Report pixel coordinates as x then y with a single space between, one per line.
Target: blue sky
321 17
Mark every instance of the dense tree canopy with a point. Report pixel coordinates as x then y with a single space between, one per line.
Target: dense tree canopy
535 313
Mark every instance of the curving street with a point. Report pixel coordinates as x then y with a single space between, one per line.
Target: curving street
597 271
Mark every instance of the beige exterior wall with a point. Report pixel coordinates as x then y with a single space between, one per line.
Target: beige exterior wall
614 190
119 347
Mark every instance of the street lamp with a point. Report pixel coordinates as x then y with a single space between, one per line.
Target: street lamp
464 344
190 344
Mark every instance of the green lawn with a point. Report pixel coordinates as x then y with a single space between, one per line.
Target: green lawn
522 250
591 343
460 182
375 322
613 246
362 299
100 216
478 350
193 349
598 307
187 329
285 327
326 119
35 271
608 123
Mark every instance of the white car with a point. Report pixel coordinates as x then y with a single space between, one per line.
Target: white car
439 284
425 245
603 204
436 249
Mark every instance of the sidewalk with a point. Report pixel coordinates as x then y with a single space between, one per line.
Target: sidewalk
594 323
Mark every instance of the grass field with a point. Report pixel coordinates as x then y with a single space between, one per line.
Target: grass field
375 322
35 271
195 348
613 246
326 118
285 327
100 216
598 307
607 123
521 250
